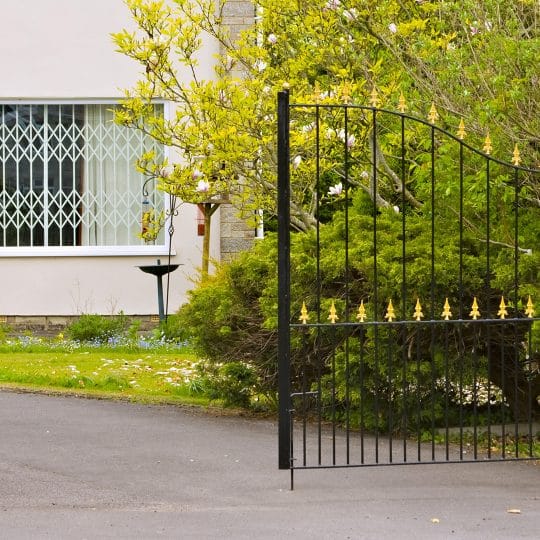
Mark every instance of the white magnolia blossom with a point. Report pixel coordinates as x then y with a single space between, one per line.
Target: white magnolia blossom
351 14
364 175
336 190
333 4
272 39
296 161
260 65
308 127
166 171
196 174
202 186
392 27
351 139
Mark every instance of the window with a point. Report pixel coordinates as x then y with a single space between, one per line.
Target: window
68 177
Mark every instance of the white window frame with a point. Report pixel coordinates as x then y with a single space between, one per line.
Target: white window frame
93 251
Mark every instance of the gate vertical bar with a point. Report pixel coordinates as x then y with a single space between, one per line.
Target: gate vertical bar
284 300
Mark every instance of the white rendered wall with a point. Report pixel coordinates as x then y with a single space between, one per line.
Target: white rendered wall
61 49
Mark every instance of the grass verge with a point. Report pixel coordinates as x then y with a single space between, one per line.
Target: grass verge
144 376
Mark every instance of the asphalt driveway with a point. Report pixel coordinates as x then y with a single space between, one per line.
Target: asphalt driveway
78 468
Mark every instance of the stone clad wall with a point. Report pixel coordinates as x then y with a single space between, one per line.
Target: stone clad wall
238 15
236 235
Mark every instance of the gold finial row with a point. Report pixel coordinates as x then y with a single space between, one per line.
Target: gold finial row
418 314
433 115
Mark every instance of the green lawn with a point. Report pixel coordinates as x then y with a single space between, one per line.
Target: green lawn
148 376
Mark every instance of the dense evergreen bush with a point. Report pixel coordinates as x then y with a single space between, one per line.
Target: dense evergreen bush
232 316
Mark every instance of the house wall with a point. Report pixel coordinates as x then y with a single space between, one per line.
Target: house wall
62 50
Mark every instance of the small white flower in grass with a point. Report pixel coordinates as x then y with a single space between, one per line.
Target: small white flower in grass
392 27
202 186
336 190
396 209
272 39
488 25
296 161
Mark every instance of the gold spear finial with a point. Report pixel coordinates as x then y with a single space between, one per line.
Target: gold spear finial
446 314
530 308
461 133
402 104
433 115
418 310
333 314
516 156
374 101
488 147
502 313
361 315
390 312
475 312
304 317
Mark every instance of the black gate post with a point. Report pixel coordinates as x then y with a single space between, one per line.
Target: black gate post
284 300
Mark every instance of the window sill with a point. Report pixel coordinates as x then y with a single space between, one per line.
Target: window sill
85 251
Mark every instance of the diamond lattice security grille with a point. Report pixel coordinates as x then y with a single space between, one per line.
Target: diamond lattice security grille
68 177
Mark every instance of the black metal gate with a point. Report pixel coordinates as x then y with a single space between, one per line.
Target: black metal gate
407 329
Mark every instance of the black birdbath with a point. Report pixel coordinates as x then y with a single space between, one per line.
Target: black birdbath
159 270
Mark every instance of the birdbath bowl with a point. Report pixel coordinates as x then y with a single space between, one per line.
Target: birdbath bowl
159 270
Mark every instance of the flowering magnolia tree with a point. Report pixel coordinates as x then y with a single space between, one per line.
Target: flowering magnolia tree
223 128
476 60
